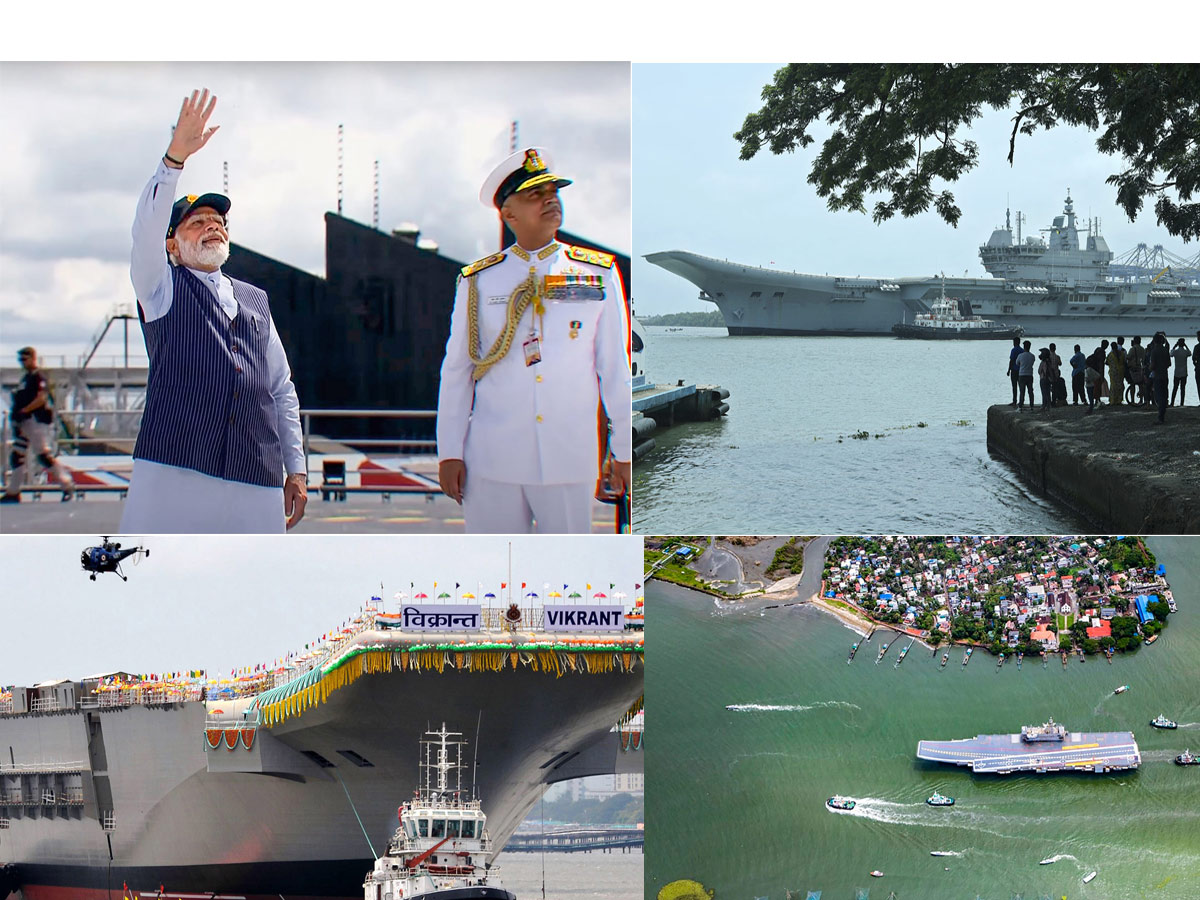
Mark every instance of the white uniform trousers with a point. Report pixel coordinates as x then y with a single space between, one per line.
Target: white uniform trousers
497 507
172 500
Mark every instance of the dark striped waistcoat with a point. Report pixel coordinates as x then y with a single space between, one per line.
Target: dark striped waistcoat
208 397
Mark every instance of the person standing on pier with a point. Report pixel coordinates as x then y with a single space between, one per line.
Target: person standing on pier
1135 363
1116 372
33 421
538 336
1180 354
220 447
1078 364
1025 363
1012 368
1196 365
1160 372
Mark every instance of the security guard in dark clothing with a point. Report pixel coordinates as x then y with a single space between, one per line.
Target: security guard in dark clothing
32 417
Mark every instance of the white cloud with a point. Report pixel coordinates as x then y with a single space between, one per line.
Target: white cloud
78 142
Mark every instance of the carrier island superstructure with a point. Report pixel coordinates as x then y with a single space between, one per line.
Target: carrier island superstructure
1038 748
1048 287
290 786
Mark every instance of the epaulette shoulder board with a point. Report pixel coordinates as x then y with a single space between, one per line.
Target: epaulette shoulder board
480 264
588 255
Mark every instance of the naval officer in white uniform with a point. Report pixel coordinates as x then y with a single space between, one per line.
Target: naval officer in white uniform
538 337
220 446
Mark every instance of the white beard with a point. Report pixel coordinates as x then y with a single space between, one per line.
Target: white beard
197 255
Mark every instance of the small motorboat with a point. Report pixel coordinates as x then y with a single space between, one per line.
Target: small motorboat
938 800
1152 639
1187 758
1088 877
839 803
941 852
876 874
1122 689
1048 860
1162 721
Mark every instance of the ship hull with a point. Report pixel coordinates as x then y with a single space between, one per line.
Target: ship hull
1003 754
284 817
758 301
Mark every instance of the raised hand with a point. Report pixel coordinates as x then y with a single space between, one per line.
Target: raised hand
191 131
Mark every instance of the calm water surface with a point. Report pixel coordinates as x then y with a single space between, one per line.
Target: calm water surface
573 876
774 465
738 797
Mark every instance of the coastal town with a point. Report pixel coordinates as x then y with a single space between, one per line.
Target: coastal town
1010 595
1005 594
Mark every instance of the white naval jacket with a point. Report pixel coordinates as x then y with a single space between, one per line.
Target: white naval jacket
537 424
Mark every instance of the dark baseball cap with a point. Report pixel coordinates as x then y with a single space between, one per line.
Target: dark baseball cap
185 205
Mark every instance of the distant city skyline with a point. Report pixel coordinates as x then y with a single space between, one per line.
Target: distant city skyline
692 192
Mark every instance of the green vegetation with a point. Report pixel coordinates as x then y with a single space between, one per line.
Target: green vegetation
789 557
896 130
619 809
1125 633
708 319
1127 553
685 890
678 571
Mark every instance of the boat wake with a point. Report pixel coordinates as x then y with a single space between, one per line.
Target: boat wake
823 704
919 813
1057 857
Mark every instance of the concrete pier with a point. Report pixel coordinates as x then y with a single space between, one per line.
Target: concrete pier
659 406
1117 467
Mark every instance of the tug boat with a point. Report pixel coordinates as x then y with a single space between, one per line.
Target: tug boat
1187 758
1162 721
442 850
839 803
938 800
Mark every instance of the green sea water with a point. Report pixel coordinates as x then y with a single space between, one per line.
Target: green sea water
738 799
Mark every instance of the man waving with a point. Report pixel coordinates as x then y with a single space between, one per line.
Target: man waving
221 427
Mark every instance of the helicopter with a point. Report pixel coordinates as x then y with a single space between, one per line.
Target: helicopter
107 558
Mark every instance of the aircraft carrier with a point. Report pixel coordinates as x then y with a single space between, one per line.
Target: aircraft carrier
293 790
1048 287
1038 748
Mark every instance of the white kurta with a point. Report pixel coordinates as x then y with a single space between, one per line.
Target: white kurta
170 499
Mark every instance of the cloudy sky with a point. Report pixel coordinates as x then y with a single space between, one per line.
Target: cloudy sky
692 192
79 142
217 603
